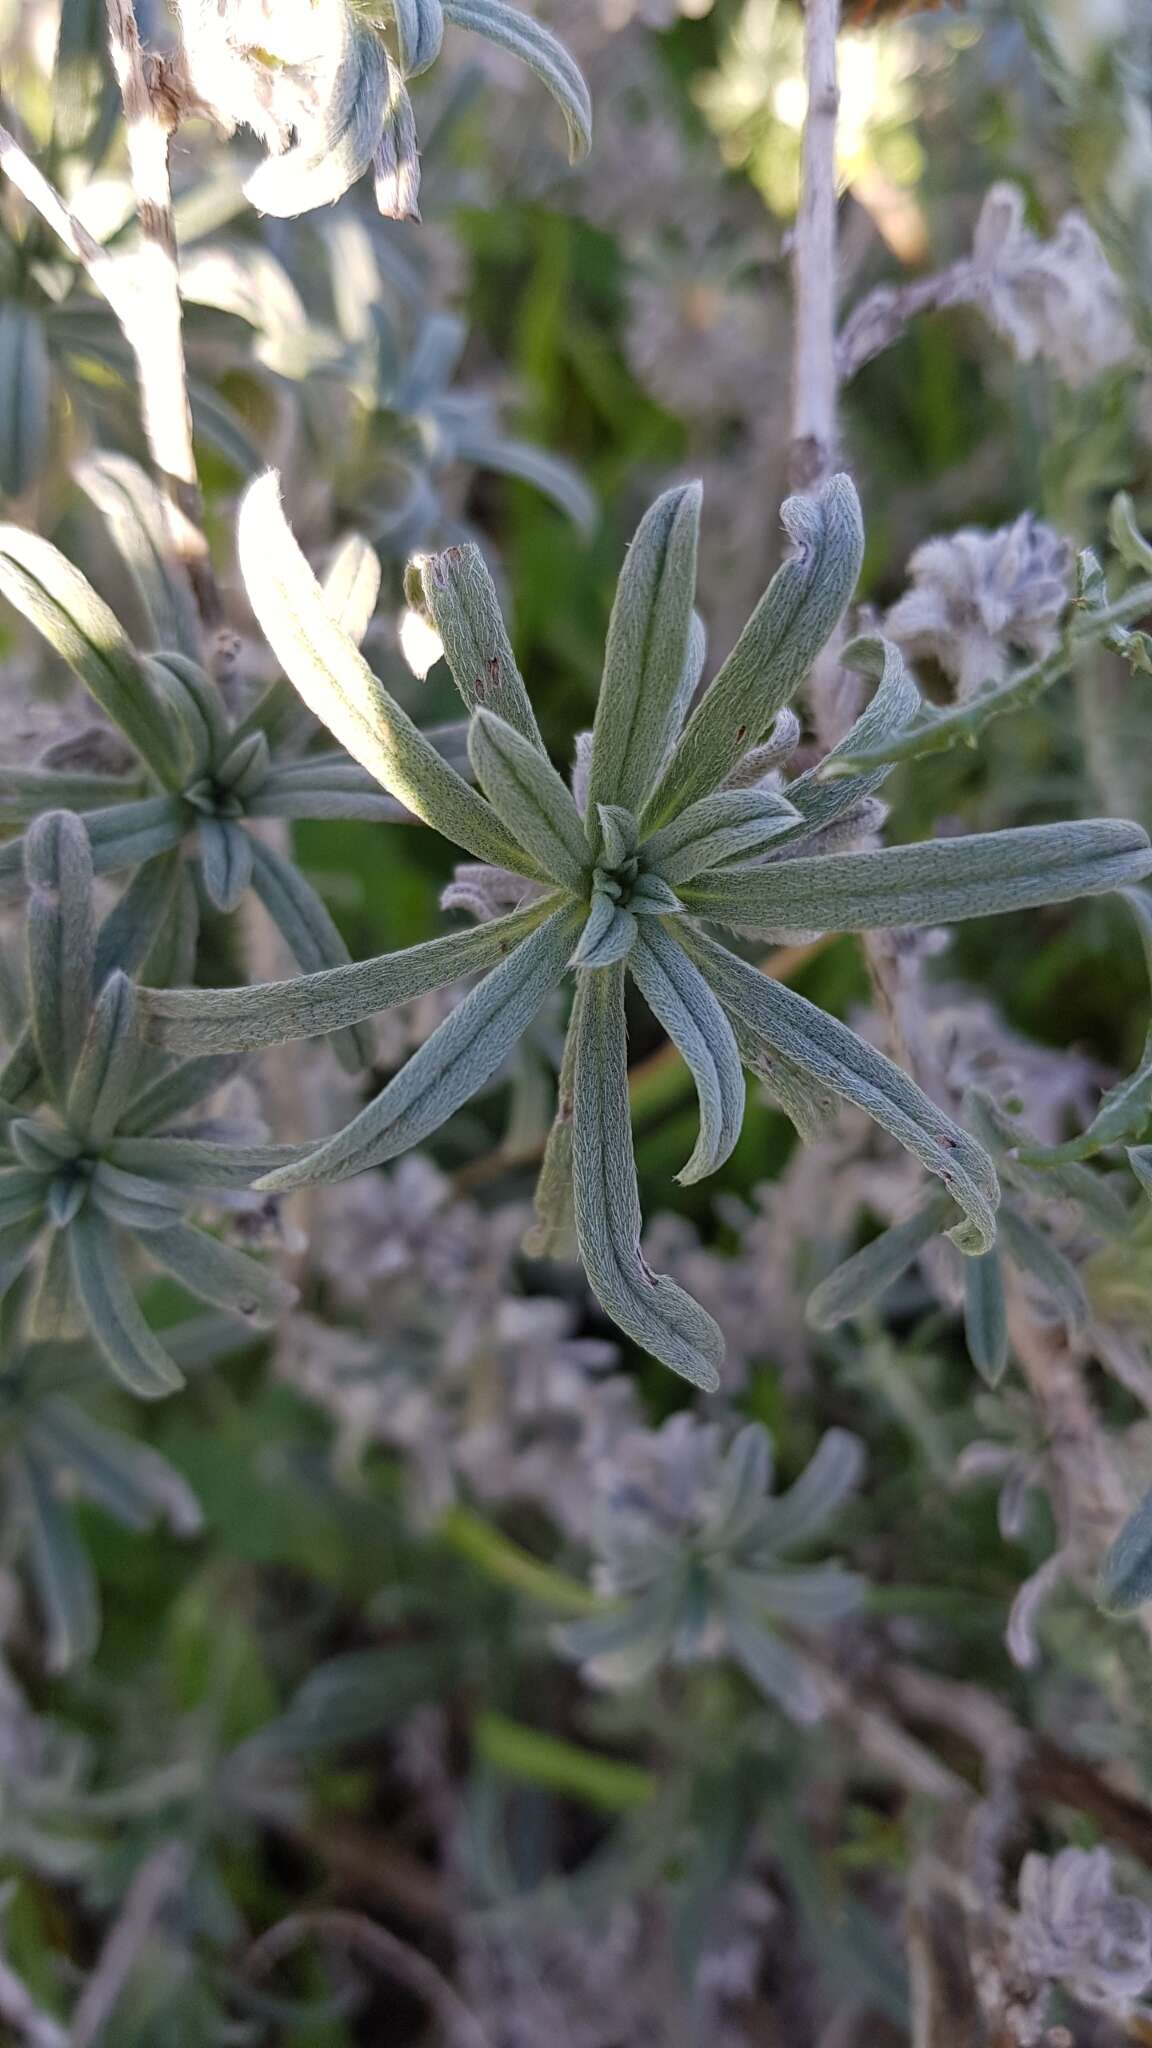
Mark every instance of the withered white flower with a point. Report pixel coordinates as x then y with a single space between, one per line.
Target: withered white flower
977 599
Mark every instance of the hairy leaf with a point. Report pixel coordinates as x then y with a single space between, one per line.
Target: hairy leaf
863 1278
61 940
127 1341
678 995
530 798
459 596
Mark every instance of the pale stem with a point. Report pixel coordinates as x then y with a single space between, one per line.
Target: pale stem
814 377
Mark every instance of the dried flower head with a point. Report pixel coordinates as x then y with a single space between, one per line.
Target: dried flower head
1060 300
977 599
1075 1929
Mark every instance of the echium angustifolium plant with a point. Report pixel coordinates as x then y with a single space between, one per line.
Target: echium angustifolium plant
316 81
193 776
95 1152
675 823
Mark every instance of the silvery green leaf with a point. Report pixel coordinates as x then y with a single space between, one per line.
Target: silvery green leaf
185 687
1092 1191
129 1344
123 837
319 169
939 881
607 936
54 1311
173 1094
311 936
458 595
555 479
870 1272
774 1668
1123 1114
419 33
1038 1257
1130 544
744 1485
137 517
839 1061
61 941
25 792
323 793
781 743
17 1243
351 585
623 1648
226 861
336 683
396 161
221 1274
21 1195
197 1163
648 1306
647 647
695 655
55 598
537 47
652 896
129 1480
107 1071
809 1105
824 794
21 1079
25 397
41 1145
986 1316
137 1203
132 925
811 1595
552 1233
831 1476
678 995
58 1563
734 824
245 767
530 798
619 834
1126 1575
462 1054
774 653
1140 1160
197 1020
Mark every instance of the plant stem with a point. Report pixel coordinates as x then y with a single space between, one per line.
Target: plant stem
153 317
814 379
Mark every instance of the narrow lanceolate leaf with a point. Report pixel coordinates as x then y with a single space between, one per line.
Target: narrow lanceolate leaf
351 585
863 1278
25 792
107 1071
1039 1258
648 640
552 1233
823 795
1123 1114
678 995
61 939
312 937
648 1306
120 838
225 861
831 1476
419 33
772 1665
209 1020
733 825
608 935
986 1316
459 596
775 651
135 921
459 1058
220 1273
135 514
126 1340
337 684
174 1093
25 393
396 162
129 1480
823 1048
1126 1576
56 599
197 1164
530 798
537 47
809 1105
938 882
58 1562
17 1242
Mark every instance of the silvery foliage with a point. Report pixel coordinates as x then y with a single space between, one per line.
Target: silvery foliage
484 1388
316 81
96 1153
694 1553
178 808
675 827
976 600
1076 1930
53 1451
